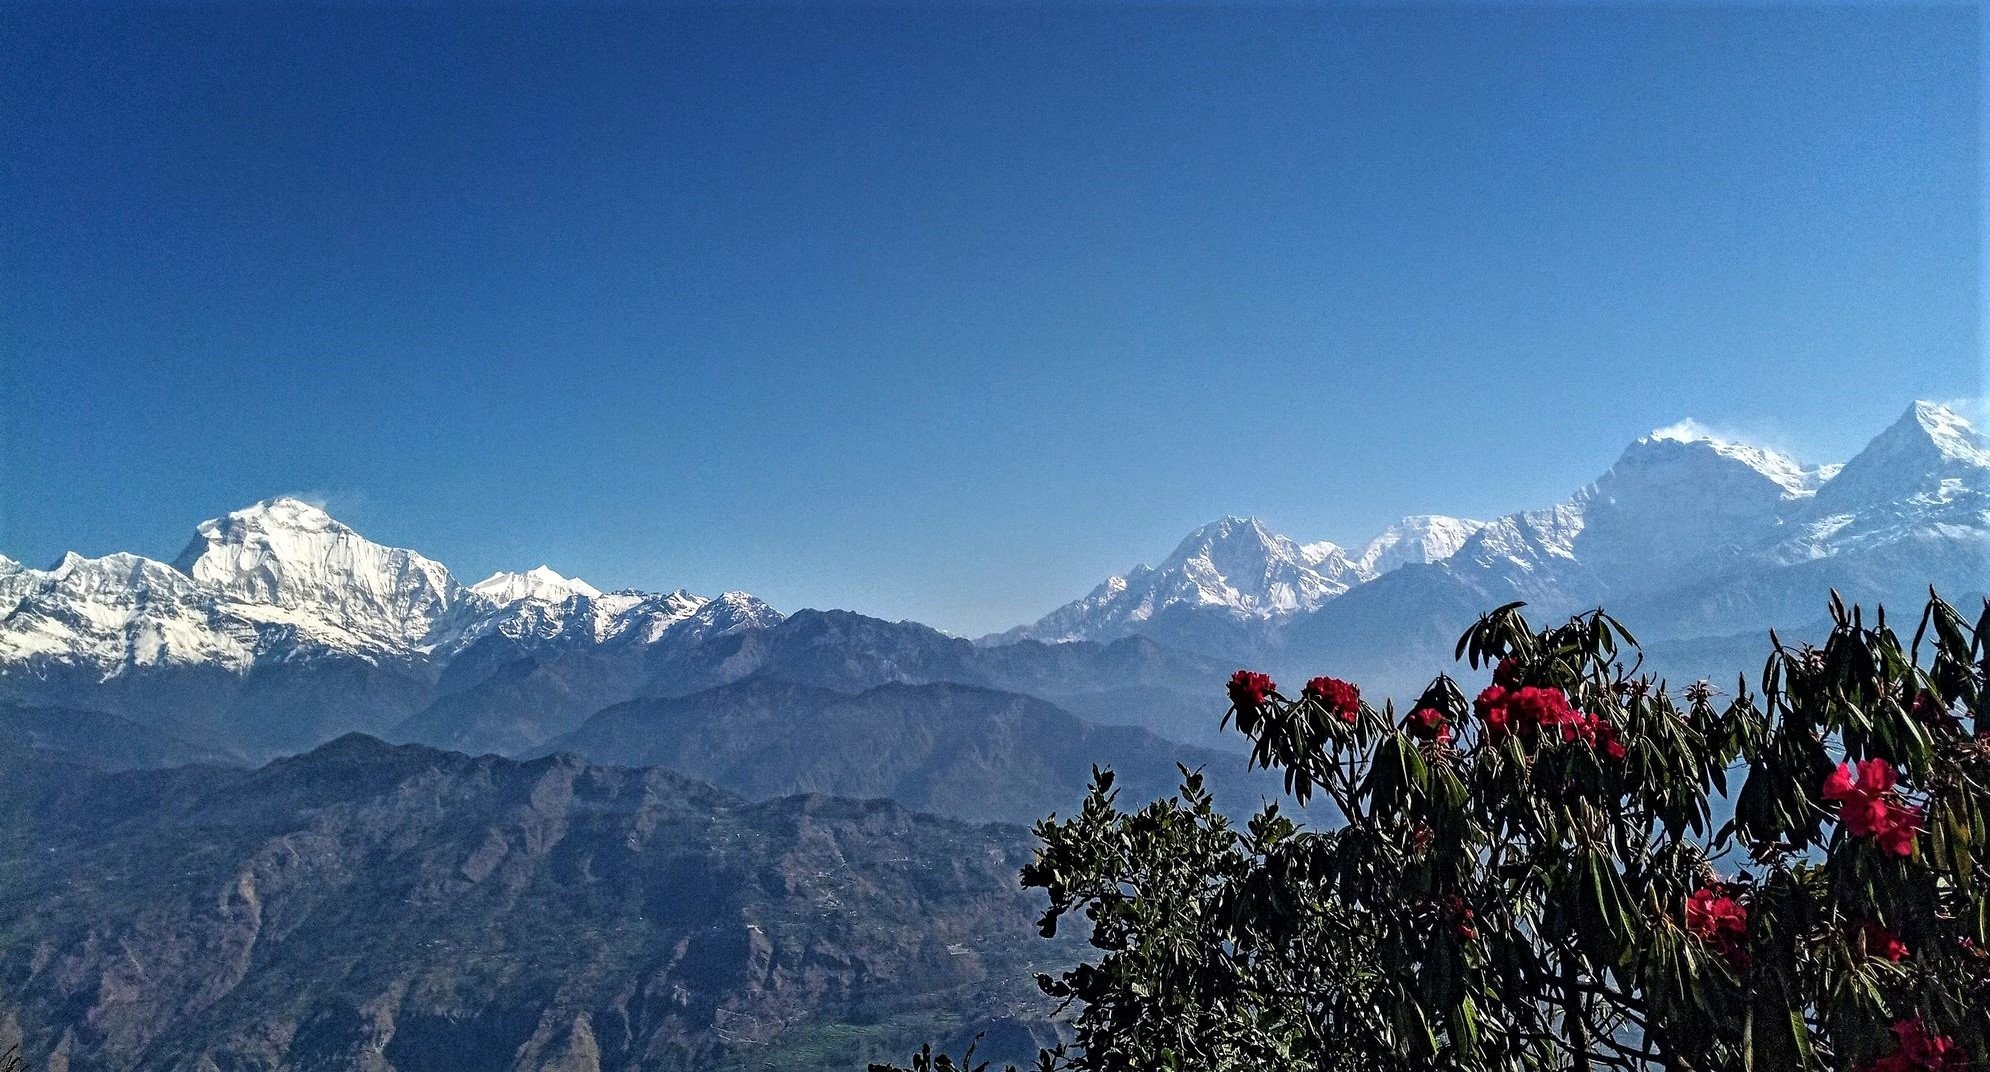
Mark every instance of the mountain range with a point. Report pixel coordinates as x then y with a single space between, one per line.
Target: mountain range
278 627
1686 537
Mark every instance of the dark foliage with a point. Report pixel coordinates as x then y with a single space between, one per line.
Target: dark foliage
1547 876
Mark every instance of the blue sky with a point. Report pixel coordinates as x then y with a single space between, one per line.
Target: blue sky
947 312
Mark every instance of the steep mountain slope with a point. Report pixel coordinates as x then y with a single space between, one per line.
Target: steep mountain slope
113 614
506 693
1910 510
525 702
280 628
252 714
1672 509
384 908
283 581
544 619
953 750
289 567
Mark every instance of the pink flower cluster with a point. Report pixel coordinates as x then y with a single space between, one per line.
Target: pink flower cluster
1920 1051
1868 806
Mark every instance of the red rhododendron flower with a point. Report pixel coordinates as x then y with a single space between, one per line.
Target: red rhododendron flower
1461 917
1606 738
1902 824
1721 922
1532 708
1877 776
1710 914
1335 695
1866 816
1491 709
1507 674
1249 690
1861 802
1928 1050
1920 1051
1428 723
1529 709
1868 808
1579 727
1881 942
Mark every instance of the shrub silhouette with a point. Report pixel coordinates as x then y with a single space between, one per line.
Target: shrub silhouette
1538 876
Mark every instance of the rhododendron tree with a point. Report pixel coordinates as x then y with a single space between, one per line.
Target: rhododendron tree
1546 876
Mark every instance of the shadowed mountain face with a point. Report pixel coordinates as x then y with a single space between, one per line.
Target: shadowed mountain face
953 750
528 702
96 738
372 907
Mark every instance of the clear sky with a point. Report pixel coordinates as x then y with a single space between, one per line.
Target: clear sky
947 312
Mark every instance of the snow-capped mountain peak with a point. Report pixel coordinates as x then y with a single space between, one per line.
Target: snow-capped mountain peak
285 559
1782 470
1235 566
540 584
1930 441
731 612
1415 540
115 611
1925 478
282 580
16 581
1240 564
1678 503
1320 551
117 571
1952 435
1930 446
